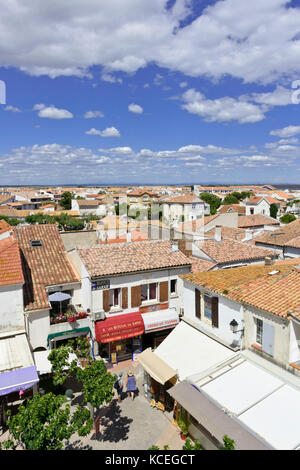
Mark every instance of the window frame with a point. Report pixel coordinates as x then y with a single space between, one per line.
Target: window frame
148 292
259 331
119 306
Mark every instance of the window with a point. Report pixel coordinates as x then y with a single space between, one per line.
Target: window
207 307
149 292
173 286
259 330
36 243
114 298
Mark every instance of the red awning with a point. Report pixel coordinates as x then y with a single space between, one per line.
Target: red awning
119 327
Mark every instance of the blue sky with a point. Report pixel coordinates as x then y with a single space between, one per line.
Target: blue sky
132 91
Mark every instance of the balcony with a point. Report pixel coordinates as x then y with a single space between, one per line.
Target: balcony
74 321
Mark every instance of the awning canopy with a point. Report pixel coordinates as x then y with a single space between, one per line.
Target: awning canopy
160 320
190 351
69 333
156 367
18 379
42 363
214 419
119 327
58 297
17 369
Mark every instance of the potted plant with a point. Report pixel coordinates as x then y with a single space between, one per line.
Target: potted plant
71 318
183 429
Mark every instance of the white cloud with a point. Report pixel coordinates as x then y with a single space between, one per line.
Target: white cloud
183 84
135 108
93 114
13 109
222 109
108 132
285 132
107 77
253 41
51 112
279 97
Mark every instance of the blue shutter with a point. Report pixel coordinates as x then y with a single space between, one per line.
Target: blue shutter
268 339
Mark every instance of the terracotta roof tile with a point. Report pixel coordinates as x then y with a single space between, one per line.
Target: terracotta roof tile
228 250
282 236
104 260
44 265
4 226
10 262
254 220
275 288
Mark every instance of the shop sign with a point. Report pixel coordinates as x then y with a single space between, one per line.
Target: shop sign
98 284
161 324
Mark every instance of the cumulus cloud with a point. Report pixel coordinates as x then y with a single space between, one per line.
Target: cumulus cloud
222 109
253 41
93 114
108 132
285 132
279 97
51 112
107 77
135 108
13 109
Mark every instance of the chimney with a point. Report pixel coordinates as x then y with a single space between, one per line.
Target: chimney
218 233
268 260
174 245
186 247
248 235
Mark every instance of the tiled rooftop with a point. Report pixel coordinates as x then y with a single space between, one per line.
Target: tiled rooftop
254 220
228 250
277 293
282 236
10 263
44 265
104 260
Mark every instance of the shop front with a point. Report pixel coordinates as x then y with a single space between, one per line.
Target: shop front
158 325
158 379
120 337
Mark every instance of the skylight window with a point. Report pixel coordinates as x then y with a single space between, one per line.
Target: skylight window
36 243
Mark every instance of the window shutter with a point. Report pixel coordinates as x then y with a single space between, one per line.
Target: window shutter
197 303
215 312
135 296
268 339
164 291
125 297
106 307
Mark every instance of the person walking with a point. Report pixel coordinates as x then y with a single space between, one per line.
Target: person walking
119 386
131 384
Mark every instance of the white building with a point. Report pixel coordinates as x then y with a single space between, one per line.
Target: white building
133 292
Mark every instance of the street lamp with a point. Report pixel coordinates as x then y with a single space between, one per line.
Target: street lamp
234 326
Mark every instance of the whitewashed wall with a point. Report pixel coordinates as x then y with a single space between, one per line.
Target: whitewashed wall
11 308
228 310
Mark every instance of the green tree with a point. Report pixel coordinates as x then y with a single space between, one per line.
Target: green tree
66 200
61 368
287 218
189 446
44 422
273 211
230 199
228 443
212 200
97 383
